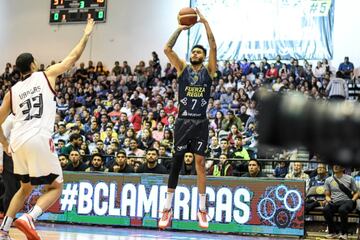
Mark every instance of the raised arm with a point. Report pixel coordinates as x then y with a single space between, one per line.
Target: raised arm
169 52
59 68
212 44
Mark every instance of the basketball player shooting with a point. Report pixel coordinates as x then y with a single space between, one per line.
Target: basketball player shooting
32 101
192 126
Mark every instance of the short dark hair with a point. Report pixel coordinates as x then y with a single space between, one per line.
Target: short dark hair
121 152
201 47
23 62
152 150
257 163
97 155
74 136
339 74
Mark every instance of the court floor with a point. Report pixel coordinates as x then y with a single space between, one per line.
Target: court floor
76 232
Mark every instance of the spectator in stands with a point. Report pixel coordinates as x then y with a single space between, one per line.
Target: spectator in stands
115 113
297 71
341 193
126 109
236 102
108 135
188 167
226 98
271 74
225 149
124 120
94 128
134 149
278 85
239 152
135 100
75 141
100 146
346 68
151 164
223 168
60 145
337 88
278 64
217 107
214 150
218 121
164 157
254 169
170 109
120 165
126 69
168 140
266 64
282 169
298 173
149 117
63 161
230 120
316 194
60 134
96 164
116 71
158 134
319 70
234 131
146 140
76 163
170 73
104 120
130 133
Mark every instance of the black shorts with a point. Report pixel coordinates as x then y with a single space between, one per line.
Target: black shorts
191 135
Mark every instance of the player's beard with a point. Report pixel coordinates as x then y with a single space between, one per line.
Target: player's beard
196 62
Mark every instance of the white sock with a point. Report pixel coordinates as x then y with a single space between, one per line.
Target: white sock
35 212
202 202
6 223
168 201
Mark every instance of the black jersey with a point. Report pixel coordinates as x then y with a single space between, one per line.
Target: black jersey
194 92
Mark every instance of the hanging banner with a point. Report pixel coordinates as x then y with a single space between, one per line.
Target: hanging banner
266 28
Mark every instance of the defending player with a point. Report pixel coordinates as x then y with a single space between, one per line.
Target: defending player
32 101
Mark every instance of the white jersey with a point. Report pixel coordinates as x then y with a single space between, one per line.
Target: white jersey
33 104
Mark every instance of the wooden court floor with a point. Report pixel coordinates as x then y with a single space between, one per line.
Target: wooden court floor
76 232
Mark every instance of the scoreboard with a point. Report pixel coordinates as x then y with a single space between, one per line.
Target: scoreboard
77 11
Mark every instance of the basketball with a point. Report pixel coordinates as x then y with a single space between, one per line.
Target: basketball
187 16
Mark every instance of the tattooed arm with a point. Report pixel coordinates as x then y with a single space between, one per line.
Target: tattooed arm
169 52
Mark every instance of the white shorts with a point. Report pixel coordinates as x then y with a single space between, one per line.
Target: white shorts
36 161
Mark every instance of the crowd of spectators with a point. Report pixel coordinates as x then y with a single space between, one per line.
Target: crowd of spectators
104 114
121 119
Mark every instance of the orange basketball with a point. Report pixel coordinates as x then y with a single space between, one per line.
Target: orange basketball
187 16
